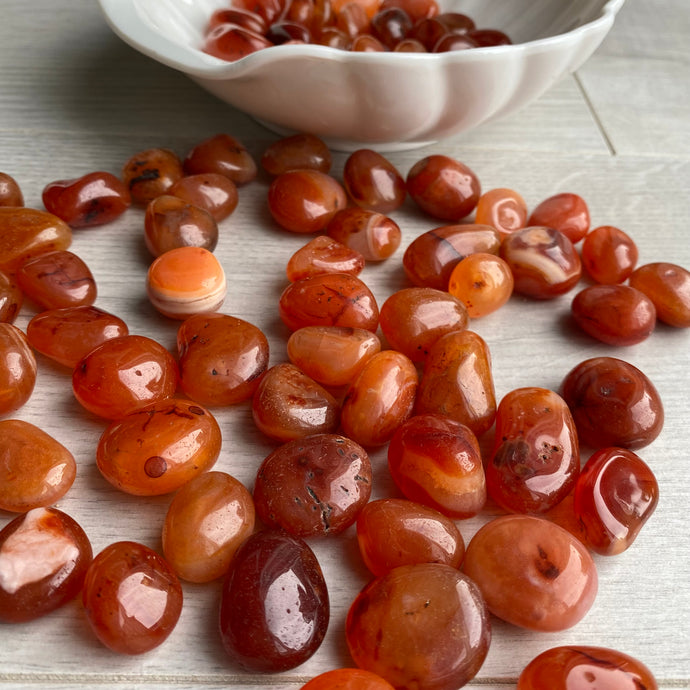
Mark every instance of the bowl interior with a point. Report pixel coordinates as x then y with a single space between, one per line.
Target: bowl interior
184 21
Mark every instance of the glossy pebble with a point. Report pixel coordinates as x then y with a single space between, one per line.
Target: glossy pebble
17 369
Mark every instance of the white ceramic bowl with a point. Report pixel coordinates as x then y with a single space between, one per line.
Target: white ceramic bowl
379 100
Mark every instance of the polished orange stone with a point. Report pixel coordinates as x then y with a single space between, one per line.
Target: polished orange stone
207 521
150 173
11 298
56 280
394 531
566 212
375 236
67 335
458 382
296 152
17 369
532 573
667 285
503 209
436 461
581 667
222 154
323 254
124 374
288 404
213 192
413 319
348 679
158 449
332 355
186 281
373 182
221 358
132 598
36 470
26 233
380 399
10 191
44 554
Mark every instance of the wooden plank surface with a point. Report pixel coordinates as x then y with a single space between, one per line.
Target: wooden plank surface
73 98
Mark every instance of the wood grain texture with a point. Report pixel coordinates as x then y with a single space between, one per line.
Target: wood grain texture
73 98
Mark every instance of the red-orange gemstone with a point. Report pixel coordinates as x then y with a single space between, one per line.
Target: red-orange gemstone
458 382
503 209
36 470
213 192
531 572
150 173
314 486
57 280
221 358
132 598
296 152
332 355
321 255
668 286
93 199
124 374
585 668
608 255
222 154
67 335
375 236
535 460
392 532
436 461
567 213
373 182
348 679
380 399
430 258
334 299
11 298
26 233
10 191
207 521
288 404
44 554
157 449
17 369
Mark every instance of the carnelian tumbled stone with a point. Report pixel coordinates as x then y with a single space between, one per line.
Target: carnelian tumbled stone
150 173
373 182
313 487
212 192
614 314
566 212
348 679
608 255
171 222
123 375
17 369
585 668
443 187
221 358
532 573
207 521
430 258
222 154
375 236
544 262
231 42
67 335
296 152
424 626
11 298
186 281
26 233
615 494
332 299
458 382
56 280
613 403
44 554
393 532
92 199
305 201
157 449
380 399
274 608
332 355
668 286
436 461
288 404
132 598
535 460
413 319
36 470
10 191
321 255
503 209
